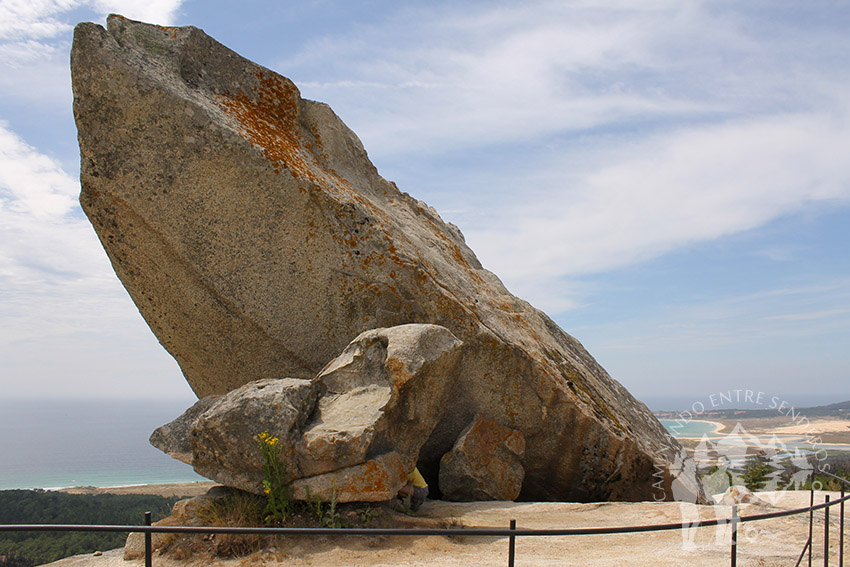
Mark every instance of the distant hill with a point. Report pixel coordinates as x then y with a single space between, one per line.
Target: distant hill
839 410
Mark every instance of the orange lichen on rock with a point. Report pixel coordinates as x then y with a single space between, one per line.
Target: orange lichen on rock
376 480
269 120
485 463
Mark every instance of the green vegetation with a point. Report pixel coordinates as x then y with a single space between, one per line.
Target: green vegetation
823 482
760 473
236 509
280 503
757 474
24 549
326 513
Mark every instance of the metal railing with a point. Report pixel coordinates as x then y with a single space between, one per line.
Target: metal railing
512 532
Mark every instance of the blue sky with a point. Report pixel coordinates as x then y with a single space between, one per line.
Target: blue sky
669 180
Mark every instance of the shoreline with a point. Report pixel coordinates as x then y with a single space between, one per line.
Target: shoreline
829 432
718 427
167 490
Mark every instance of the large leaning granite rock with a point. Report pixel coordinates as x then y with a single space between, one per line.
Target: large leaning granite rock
257 239
351 434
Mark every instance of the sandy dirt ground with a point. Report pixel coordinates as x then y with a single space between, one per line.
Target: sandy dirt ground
768 543
184 490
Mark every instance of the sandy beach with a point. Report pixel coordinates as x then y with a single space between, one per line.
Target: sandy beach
183 490
816 427
830 431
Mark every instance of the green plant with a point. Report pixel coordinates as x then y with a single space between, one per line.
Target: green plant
52 507
279 504
823 482
237 509
756 475
366 514
407 504
326 513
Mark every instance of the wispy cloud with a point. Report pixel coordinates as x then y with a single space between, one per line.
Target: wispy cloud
54 278
69 328
483 75
811 316
628 130
32 184
671 190
744 321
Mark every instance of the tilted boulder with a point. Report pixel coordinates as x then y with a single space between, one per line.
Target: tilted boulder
351 434
484 464
387 390
257 239
224 438
175 438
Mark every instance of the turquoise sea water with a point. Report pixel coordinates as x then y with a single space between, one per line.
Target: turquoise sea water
57 444
688 428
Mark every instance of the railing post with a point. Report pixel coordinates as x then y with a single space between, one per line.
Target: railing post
148 546
734 558
826 532
512 545
811 513
841 530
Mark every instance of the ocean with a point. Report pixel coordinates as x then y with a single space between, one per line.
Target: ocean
64 443
683 428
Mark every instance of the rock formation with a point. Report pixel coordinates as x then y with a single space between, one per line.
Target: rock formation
257 239
351 434
484 464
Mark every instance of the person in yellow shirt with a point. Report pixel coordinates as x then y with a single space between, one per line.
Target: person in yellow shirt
415 491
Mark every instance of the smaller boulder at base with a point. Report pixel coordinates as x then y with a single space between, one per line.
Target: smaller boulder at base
386 390
485 463
175 438
350 434
376 480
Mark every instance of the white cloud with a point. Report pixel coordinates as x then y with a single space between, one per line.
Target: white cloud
69 328
54 277
32 19
35 38
32 184
458 77
162 12
673 190
670 191
471 77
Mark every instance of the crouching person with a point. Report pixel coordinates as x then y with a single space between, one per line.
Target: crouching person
414 493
